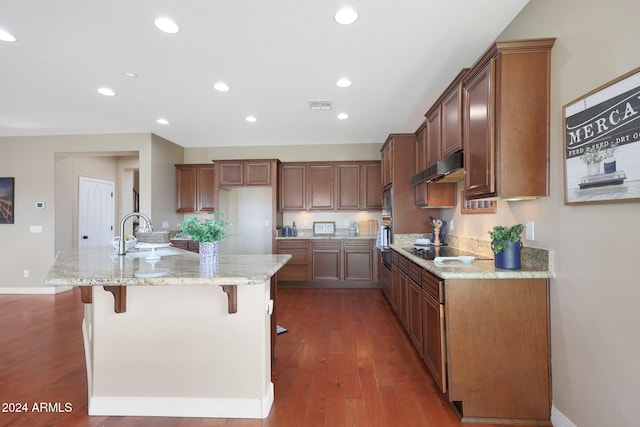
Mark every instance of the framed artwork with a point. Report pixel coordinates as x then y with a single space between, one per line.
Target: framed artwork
6 200
324 228
476 206
602 143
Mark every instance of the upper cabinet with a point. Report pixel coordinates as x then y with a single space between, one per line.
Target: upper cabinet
330 186
451 116
506 97
387 164
244 172
195 188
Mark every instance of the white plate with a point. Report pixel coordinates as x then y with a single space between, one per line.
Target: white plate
453 260
143 245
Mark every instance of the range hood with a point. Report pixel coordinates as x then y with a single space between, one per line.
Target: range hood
449 169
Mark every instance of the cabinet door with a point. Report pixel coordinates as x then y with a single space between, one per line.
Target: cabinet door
231 173
414 313
385 281
348 186
359 260
297 269
325 260
321 187
293 186
186 177
387 164
257 173
433 135
206 186
371 189
433 350
479 141
421 163
452 122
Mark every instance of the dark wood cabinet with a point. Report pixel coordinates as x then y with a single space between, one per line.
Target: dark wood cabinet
387 164
298 268
433 134
414 306
195 188
359 260
433 325
326 262
321 186
187 245
451 117
330 186
244 172
293 186
506 97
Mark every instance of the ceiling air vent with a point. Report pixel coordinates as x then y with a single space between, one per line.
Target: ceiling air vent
320 104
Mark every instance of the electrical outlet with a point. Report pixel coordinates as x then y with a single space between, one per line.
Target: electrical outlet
451 225
346 222
26 274
165 225
529 231
305 222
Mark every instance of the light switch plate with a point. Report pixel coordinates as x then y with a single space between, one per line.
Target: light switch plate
529 231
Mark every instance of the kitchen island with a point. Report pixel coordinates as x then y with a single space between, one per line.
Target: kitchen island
167 336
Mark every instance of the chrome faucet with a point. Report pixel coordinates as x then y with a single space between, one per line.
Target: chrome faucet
147 225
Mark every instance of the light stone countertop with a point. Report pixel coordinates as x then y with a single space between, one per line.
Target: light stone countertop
101 266
535 263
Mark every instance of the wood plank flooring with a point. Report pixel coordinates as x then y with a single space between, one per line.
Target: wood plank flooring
345 362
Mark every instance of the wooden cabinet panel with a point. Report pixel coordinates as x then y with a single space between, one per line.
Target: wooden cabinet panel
414 313
387 163
257 173
451 138
325 260
359 262
321 186
506 98
385 280
293 187
371 188
348 178
231 173
195 188
433 135
433 338
298 267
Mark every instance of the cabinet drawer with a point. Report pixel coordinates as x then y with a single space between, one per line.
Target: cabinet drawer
293 244
415 272
433 285
325 244
358 244
293 273
400 261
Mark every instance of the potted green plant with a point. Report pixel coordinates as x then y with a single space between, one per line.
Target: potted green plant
592 158
506 245
207 232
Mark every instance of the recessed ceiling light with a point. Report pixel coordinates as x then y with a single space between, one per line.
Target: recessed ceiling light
251 119
346 16
6 36
162 121
129 74
106 91
343 82
221 87
343 116
166 25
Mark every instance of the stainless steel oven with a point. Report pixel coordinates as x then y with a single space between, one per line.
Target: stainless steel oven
387 216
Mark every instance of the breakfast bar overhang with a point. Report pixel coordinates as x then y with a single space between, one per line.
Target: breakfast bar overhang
170 337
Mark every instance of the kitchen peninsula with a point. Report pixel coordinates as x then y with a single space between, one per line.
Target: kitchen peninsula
164 336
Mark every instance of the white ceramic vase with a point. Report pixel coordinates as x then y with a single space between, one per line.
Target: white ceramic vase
209 252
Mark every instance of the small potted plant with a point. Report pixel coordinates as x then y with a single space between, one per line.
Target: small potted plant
592 158
207 232
506 245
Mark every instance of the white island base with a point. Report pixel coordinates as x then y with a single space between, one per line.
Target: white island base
177 352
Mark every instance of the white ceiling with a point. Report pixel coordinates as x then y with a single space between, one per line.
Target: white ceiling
274 54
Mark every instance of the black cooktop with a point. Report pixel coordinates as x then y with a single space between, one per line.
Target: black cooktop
430 252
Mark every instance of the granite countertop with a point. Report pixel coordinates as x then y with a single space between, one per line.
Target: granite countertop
336 236
101 266
536 263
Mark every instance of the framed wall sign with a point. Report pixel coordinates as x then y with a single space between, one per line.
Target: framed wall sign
476 206
6 200
602 143
324 228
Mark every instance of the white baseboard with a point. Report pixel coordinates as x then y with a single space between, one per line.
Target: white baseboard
182 407
33 290
558 419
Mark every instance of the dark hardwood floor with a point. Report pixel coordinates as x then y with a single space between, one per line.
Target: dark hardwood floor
344 362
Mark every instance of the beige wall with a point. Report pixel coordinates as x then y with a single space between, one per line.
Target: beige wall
595 296
46 169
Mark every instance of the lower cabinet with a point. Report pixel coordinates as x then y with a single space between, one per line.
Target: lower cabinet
188 245
332 263
485 341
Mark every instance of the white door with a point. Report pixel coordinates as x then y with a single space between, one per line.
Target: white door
96 212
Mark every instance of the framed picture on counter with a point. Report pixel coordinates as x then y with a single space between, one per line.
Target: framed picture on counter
602 143
324 228
476 206
6 200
